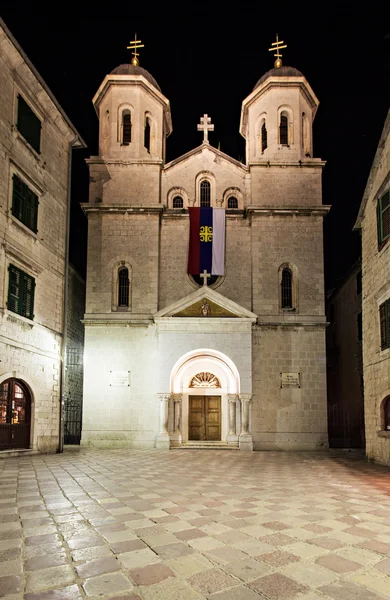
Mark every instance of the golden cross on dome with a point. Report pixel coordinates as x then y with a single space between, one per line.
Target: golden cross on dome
277 46
134 46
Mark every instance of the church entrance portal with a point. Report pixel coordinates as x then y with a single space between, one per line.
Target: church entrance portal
15 415
204 422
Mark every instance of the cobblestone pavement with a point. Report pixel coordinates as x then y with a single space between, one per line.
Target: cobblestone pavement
194 524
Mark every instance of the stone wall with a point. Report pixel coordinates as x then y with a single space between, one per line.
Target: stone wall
289 418
376 289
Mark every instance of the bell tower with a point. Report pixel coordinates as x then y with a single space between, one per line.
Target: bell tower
134 122
124 205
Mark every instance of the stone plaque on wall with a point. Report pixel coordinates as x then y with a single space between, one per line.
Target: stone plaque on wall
290 380
119 379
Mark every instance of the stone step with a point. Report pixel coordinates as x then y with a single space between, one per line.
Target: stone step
205 446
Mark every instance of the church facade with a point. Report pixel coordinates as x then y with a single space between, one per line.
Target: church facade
234 359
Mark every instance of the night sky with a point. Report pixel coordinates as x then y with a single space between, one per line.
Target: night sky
207 57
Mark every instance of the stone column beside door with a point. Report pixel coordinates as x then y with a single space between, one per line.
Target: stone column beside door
245 439
176 436
162 440
232 436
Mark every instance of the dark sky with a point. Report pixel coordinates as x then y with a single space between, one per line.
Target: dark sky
207 57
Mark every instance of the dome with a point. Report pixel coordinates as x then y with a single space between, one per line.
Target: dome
281 72
129 69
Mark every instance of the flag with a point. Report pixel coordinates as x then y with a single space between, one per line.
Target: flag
207 241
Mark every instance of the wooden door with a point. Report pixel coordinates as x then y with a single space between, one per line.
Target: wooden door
15 414
204 422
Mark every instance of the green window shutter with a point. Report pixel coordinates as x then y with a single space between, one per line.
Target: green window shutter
21 289
28 124
31 210
14 302
24 204
379 222
384 318
28 296
385 205
18 197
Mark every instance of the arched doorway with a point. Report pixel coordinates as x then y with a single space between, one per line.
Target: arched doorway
205 382
15 414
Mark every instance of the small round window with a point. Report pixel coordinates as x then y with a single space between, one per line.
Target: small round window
177 202
210 280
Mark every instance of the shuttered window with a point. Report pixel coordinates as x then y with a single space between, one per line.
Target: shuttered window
29 125
383 218
384 319
21 289
24 204
283 130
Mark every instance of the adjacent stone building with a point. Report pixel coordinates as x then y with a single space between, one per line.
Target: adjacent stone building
170 360
374 221
36 143
344 361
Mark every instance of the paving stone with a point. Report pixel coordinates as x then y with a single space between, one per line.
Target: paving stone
84 542
279 558
277 587
127 546
211 581
190 564
49 578
110 583
70 592
237 593
138 558
10 584
246 569
345 590
45 561
225 555
151 574
190 534
173 550
310 574
85 554
98 566
170 589
10 554
384 566
337 563
326 542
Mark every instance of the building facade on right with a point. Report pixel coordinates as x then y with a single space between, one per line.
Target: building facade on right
374 221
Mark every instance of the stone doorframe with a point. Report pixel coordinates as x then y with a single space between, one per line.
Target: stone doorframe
235 406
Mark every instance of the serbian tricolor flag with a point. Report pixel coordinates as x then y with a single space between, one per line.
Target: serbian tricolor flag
207 241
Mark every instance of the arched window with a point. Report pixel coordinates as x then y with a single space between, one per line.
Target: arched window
283 129
286 291
123 287
232 202
386 414
15 414
263 137
126 127
147 134
177 202
205 193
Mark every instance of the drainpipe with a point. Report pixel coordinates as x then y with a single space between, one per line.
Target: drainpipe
65 304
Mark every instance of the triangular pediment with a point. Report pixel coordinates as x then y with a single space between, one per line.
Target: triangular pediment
205 302
196 153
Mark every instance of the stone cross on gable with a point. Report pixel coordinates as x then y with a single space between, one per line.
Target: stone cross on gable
205 126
